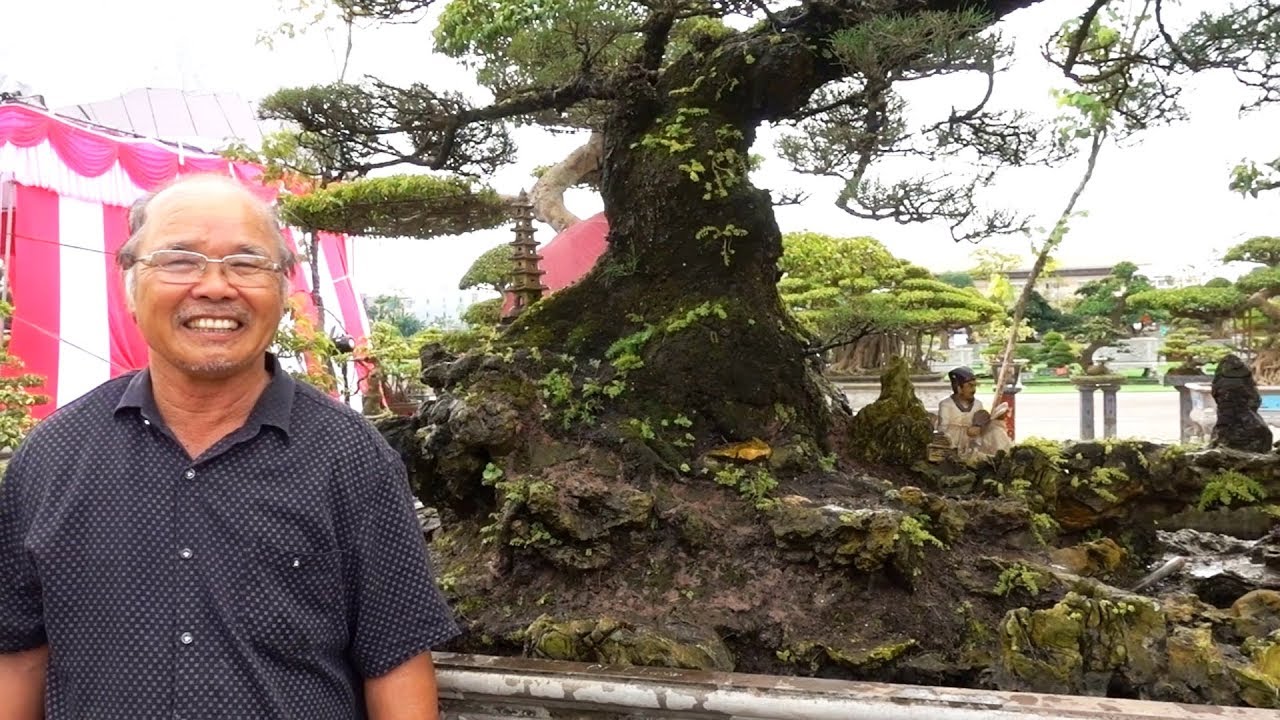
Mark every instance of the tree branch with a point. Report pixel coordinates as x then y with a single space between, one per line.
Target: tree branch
656 31
1082 34
1042 259
547 195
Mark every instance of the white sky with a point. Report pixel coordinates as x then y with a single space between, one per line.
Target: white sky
1164 201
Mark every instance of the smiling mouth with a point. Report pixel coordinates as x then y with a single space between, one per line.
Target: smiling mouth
207 324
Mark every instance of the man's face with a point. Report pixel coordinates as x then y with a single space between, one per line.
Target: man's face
968 390
214 327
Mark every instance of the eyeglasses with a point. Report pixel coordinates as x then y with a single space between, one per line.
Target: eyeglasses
184 267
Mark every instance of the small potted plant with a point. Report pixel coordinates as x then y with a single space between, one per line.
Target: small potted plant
393 365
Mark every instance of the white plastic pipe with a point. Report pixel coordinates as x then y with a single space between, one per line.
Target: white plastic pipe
470 682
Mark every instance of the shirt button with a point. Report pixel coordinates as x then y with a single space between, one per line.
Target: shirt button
189 474
186 638
185 553
146 422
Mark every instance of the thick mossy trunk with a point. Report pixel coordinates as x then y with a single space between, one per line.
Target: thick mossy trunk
683 306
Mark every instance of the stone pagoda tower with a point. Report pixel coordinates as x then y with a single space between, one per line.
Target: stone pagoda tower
526 277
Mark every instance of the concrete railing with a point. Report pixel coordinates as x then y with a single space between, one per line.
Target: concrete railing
476 687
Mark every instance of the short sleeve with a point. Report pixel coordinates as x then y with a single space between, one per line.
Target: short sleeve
21 609
398 610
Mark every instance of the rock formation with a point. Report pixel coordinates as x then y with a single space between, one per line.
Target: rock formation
1239 426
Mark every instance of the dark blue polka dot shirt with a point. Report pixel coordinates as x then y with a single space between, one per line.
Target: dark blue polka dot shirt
265 579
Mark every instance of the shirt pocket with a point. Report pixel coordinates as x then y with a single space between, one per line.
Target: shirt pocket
297 606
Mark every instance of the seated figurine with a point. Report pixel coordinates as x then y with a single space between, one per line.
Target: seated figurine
973 432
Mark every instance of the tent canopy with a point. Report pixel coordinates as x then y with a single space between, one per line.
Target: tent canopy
70 188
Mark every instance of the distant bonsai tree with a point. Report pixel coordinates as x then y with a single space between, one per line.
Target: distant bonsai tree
1055 351
1104 312
1189 346
1254 297
868 306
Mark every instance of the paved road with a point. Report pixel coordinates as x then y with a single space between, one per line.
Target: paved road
1056 416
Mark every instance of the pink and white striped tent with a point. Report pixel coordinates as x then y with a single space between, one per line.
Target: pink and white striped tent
65 190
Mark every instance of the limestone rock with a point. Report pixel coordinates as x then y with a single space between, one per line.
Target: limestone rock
1239 425
487 421
672 645
1097 637
895 429
1257 614
864 539
1098 558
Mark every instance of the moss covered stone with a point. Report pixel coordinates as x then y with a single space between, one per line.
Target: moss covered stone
605 640
864 539
895 429
1078 645
1097 636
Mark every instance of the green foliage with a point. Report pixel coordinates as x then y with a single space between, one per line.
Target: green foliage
483 313
1263 250
914 530
1200 302
1250 178
1229 487
850 286
956 279
517 44
394 310
888 42
1103 313
421 206
1189 346
1044 527
284 152
394 356
298 337
753 484
492 270
1055 351
1100 480
16 393
1044 317
1018 576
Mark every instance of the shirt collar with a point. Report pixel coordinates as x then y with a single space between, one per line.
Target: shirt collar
274 406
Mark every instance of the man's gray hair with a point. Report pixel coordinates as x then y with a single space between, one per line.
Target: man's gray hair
127 255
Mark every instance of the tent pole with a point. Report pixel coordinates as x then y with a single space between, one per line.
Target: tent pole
7 236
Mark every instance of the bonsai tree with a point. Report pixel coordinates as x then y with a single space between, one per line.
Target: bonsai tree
1188 346
1104 312
1252 297
1055 351
490 271
856 298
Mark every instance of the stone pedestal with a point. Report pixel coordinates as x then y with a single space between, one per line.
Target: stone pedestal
1087 385
1010 423
1186 427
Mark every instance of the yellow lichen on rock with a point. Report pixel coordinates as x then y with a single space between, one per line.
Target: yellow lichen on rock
605 640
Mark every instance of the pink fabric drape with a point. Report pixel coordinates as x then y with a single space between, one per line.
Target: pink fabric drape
334 249
91 154
35 260
128 348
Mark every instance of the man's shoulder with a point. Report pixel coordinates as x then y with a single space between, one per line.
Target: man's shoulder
73 424
90 409
313 409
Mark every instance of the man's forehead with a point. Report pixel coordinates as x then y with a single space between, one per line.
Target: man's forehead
197 199
187 216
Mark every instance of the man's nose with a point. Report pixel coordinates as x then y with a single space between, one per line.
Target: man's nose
213 283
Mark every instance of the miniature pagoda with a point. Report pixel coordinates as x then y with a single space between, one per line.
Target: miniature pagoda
526 277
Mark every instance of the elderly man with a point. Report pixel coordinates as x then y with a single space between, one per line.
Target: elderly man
973 432
208 538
